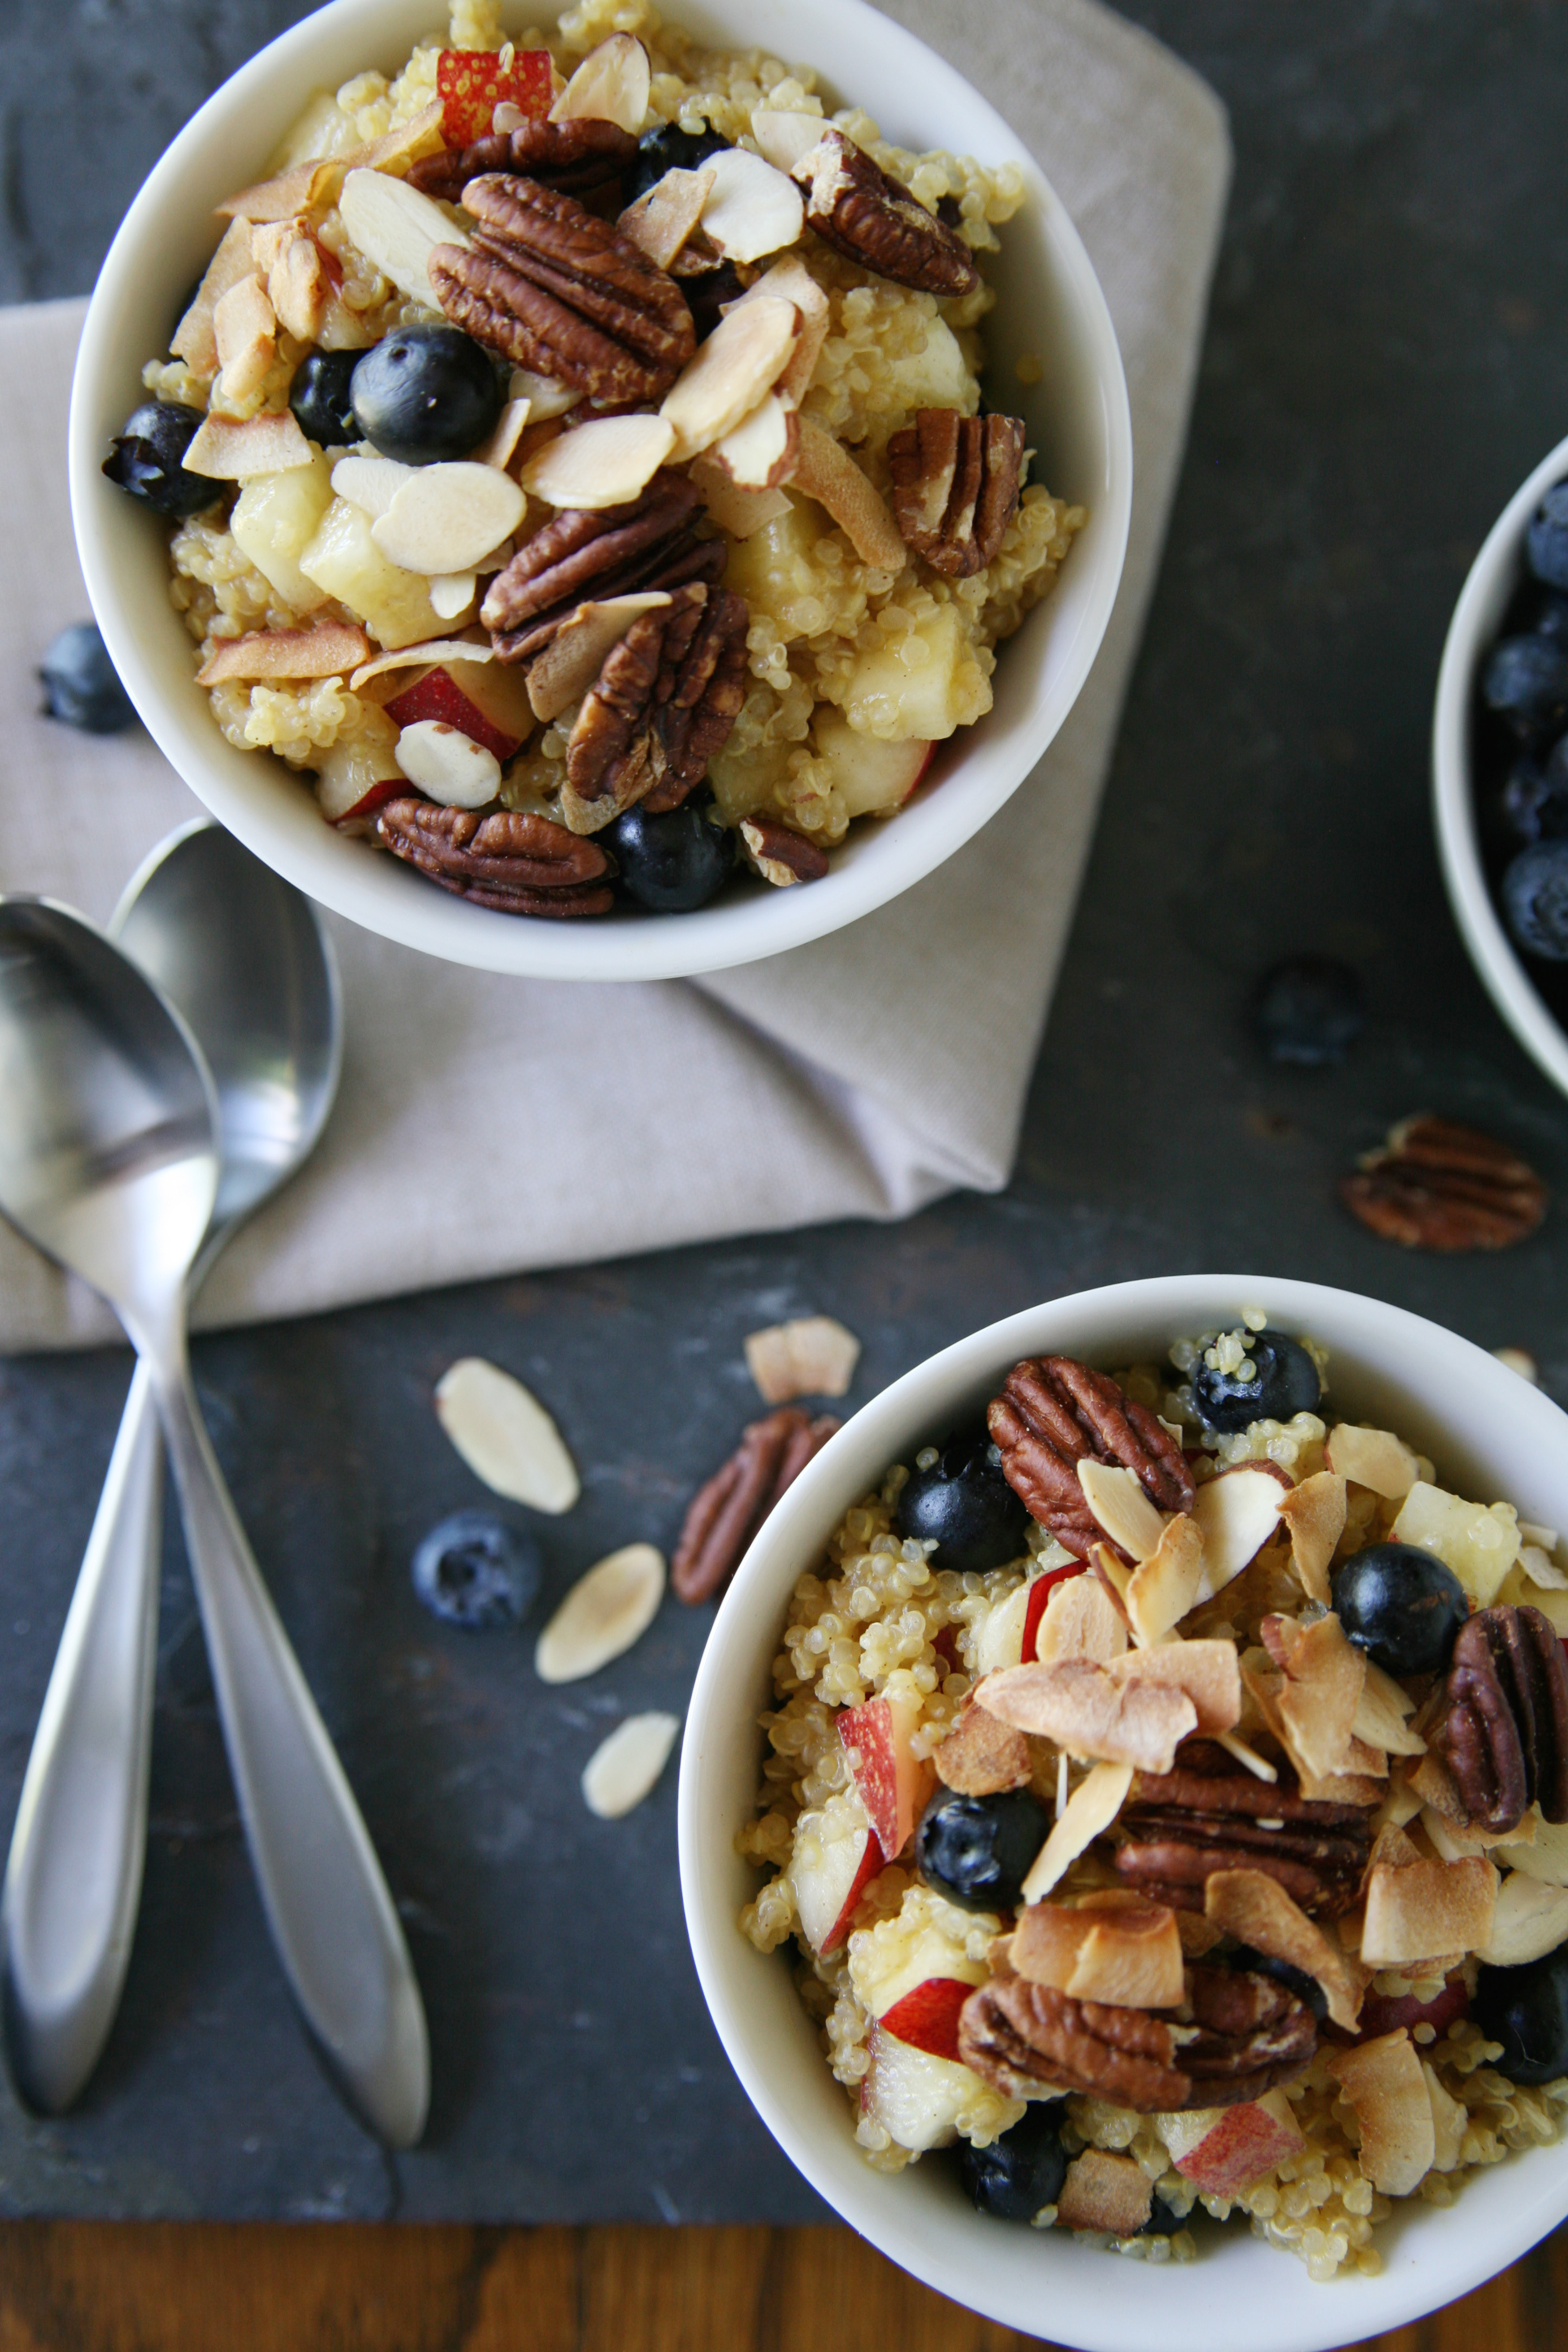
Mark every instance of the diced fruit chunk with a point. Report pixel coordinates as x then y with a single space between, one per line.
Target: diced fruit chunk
873 778
1224 2149
488 700
354 779
915 2097
276 516
1481 1545
927 2016
344 561
923 683
836 1858
893 1785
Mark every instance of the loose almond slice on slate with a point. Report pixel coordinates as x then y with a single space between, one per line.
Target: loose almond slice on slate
325 651
1121 1506
572 659
828 473
752 208
505 1436
397 229
624 1769
1090 1809
434 650
1384 2084
664 215
742 360
446 518
1314 1512
450 767
742 513
759 452
226 452
611 84
601 464
814 1356
1372 1457
785 138
370 483
1208 1672
605 1612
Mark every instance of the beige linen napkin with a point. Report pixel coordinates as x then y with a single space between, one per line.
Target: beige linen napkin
488 1125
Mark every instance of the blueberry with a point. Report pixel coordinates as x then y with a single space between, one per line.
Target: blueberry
1308 1010
1022 2170
1161 2221
977 1850
1401 1606
318 397
966 1505
707 291
80 684
1526 2009
1535 899
474 1571
1286 1382
1263 1964
145 458
1550 618
673 862
1546 540
667 149
424 394
1526 682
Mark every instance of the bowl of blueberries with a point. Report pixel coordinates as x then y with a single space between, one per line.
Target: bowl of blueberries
1499 757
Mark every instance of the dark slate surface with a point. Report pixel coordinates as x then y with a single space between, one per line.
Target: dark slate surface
1387 360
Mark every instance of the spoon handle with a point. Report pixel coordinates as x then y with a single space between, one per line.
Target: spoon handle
326 1901
74 1876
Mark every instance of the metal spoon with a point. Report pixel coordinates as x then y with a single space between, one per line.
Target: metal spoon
108 1160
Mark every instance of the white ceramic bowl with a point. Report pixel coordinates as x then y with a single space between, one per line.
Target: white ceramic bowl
1050 303
1478 617
1492 1436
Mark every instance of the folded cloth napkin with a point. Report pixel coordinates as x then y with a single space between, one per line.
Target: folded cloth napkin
488 1125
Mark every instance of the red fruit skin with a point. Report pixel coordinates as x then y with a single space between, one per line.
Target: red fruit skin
470 84
946 1647
928 2016
1040 1592
390 788
1386 2013
437 694
871 1863
869 1730
1245 2143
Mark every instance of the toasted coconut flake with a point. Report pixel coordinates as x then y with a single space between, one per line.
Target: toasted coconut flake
1115 1581
299 190
505 1436
605 1612
1237 1513
1255 1910
752 208
980 1756
741 361
397 229
1450 2119
1530 1919
1082 1709
1206 1671
1432 1783
611 84
228 452
435 649
297 284
447 518
664 215
571 662
195 340
1324 1677
1427 1908
761 452
245 328
1314 1512
826 472
1382 1715
1121 1506
603 464
1166 1584
814 1356
325 651
1372 1457
1081 1620
741 512
409 143
1128 1955
785 138
1092 1807
1104 2193
624 1769
791 281
1384 2084
1546 1854
500 445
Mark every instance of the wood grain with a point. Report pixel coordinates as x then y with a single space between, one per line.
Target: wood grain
90 2286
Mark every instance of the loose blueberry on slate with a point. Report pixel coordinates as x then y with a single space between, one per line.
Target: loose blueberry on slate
965 1504
1401 1606
1263 1964
1546 540
1526 683
667 149
80 683
1308 1010
474 1571
318 397
677 861
977 1850
1526 2009
1286 1383
1535 899
1023 2169
425 394
145 458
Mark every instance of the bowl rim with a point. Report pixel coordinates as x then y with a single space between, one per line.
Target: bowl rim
1502 970
404 908
1098 2309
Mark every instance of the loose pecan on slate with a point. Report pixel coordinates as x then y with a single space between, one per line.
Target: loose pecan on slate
724 1515
955 486
1054 1412
519 865
660 707
1437 1186
578 157
648 542
1504 1730
779 854
1210 1814
554 289
865 214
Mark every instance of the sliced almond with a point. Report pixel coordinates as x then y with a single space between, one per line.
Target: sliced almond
396 229
980 1756
611 84
227 452
325 651
435 649
761 452
1121 1508
546 398
605 1612
1166 1584
1372 1457
1255 1910
1081 1620
1546 1855
1236 1512
1453 1844
1384 2084
1530 1919
572 659
664 215
741 361
1111 2194
1314 1512
1129 1955
1206 1671
446 518
497 448
452 593
601 464
785 138
742 513
1083 1708
752 208
624 1769
504 1434
370 483
1427 1908
828 473
814 1356
446 765
1258 1766
244 327
298 190
195 340
791 281
1382 1716
1090 1809
299 288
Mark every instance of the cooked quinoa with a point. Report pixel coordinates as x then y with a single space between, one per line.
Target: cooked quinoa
880 1618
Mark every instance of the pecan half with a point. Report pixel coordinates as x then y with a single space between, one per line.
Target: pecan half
779 854
955 486
1054 1412
648 542
578 157
725 1514
865 214
660 707
1253 2034
1210 1814
1503 1729
519 865
1437 1186
557 290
